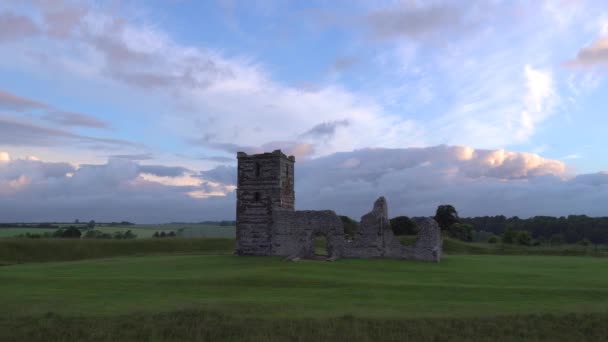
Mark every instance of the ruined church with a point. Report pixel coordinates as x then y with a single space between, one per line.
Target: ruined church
268 224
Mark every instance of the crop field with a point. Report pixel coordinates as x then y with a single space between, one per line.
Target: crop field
167 297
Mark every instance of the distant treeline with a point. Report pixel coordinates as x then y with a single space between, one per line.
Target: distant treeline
570 229
210 223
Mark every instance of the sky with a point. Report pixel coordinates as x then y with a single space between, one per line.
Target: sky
134 110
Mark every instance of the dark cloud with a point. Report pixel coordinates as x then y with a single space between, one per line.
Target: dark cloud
218 159
344 63
221 174
75 119
326 129
13 26
413 21
414 181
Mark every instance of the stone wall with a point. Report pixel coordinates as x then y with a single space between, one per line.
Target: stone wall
294 232
267 223
375 238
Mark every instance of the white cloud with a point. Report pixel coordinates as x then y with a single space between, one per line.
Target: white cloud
539 100
5 157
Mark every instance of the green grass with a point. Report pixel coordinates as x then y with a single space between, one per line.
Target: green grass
201 296
15 251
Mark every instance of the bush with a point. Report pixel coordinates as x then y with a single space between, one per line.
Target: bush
403 225
461 231
584 242
493 239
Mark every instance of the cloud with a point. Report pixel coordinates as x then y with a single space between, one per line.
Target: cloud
413 22
344 63
539 100
22 133
14 26
326 129
163 171
41 191
595 54
414 180
13 102
133 157
75 119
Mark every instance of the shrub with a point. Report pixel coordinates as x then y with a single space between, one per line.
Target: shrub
403 225
493 239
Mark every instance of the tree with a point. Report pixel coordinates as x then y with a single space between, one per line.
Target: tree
91 224
461 231
523 238
509 235
403 225
446 215
155 235
557 239
598 237
350 226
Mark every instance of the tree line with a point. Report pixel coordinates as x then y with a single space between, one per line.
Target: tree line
535 230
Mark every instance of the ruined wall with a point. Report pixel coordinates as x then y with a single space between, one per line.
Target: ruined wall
429 245
375 238
293 232
265 181
268 225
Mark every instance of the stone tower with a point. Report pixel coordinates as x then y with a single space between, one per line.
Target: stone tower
265 181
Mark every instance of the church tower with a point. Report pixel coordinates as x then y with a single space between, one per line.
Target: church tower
264 181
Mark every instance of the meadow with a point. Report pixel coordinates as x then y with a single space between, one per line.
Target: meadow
169 289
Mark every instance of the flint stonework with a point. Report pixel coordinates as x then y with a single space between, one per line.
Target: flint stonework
267 223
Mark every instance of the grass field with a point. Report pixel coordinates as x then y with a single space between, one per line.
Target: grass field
353 299
142 231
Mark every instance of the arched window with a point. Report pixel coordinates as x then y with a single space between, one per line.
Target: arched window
286 170
257 169
256 197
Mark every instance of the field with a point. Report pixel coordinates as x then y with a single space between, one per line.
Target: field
158 296
142 231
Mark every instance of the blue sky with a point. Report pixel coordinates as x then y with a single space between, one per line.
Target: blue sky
182 85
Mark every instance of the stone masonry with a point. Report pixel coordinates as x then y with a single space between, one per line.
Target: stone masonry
267 223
